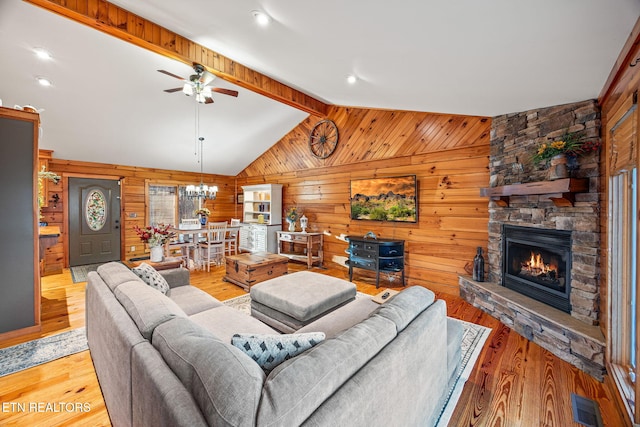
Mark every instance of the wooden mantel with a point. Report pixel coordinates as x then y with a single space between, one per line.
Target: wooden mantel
561 191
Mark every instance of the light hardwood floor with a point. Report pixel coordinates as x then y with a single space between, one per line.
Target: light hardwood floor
514 382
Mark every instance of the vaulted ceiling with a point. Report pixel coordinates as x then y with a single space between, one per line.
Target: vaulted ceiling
487 58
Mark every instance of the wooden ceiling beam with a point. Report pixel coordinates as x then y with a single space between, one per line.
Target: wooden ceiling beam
118 22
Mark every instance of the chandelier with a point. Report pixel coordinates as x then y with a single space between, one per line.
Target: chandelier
202 191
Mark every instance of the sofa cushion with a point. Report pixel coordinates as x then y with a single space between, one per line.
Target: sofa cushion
403 307
176 277
298 386
115 273
147 307
193 300
151 277
343 318
224 322
268 351
225 383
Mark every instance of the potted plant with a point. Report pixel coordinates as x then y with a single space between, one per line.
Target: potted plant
291 217
555 154
155 237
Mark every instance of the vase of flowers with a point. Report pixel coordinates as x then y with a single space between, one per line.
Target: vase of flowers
203 213
558 167
556 154
291 217
155 237
156 254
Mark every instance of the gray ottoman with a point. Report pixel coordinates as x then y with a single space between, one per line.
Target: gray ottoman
292 301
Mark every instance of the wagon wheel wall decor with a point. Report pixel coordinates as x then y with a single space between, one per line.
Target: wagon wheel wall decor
323 139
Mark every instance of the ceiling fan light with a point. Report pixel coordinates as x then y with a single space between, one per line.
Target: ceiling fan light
261 18
187 89
200 98
206 92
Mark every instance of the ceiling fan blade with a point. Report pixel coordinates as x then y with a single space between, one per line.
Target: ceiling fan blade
173 90
170 74
208 100
225 91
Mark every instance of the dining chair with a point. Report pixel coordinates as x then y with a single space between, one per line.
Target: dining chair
212 249
231 241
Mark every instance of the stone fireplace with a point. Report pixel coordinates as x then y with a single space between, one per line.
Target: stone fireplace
544 237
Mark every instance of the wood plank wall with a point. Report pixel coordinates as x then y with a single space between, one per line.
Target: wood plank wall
449 155
133 196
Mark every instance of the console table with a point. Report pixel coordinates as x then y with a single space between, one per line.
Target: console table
386 255
299 246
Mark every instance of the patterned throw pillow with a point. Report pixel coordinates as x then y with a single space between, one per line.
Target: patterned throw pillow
152 277
271 350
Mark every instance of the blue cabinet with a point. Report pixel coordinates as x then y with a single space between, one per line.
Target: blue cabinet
379 255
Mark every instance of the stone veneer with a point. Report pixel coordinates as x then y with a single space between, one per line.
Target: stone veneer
514 140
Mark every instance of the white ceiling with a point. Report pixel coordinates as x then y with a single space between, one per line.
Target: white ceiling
465 57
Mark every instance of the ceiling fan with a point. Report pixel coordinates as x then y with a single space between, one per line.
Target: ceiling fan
198 84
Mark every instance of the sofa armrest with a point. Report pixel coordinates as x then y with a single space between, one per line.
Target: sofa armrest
176 276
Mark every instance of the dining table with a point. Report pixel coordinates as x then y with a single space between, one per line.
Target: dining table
188 239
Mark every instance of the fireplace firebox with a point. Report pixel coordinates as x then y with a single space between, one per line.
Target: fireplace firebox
537 263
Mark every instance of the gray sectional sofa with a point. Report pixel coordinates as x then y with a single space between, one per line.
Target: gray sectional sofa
166 360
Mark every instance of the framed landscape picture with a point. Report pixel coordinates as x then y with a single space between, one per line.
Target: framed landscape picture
385 199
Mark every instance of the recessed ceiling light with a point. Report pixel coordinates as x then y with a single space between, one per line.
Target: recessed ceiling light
43 81
42 53
351 79
261 18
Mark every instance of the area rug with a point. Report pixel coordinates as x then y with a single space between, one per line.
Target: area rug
32 353
79 272
473 339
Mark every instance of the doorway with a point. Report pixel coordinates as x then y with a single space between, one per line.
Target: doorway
94 221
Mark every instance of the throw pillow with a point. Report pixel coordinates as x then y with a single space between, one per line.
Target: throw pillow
151 277
271 350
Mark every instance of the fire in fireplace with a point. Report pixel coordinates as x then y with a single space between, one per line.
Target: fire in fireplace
537 263
535 268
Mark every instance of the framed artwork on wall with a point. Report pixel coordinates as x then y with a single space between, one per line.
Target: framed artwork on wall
240 197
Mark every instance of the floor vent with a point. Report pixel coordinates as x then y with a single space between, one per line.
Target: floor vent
586 411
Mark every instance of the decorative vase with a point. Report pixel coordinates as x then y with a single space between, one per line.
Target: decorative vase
156 253
304 221
292 225
203 220
478 266
558 167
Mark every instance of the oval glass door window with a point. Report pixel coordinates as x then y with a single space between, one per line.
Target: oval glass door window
96 210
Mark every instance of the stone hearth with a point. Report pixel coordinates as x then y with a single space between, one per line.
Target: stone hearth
573 337
571 340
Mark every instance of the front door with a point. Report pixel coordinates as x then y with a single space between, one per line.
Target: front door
94 221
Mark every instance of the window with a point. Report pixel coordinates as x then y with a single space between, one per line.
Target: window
166 206
622 171
623 247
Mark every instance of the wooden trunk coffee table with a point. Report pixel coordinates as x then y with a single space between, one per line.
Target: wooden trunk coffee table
245 270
